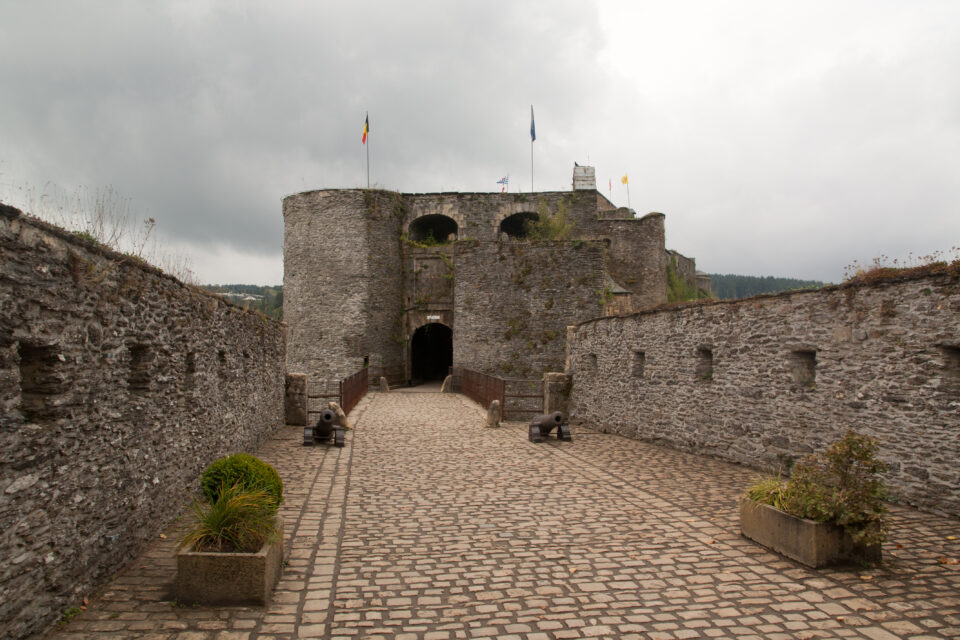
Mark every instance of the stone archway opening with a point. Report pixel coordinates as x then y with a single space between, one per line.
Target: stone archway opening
517 225
433 229
431 352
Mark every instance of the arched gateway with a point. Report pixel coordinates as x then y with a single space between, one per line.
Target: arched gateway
431 352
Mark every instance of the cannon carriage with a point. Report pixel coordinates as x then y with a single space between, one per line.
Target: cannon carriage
542 425
327 429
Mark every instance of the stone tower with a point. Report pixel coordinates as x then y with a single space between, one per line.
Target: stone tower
410 284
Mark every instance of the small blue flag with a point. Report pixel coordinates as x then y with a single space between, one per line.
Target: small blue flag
533 129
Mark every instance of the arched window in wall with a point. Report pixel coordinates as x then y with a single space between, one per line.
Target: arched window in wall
433 229
515 226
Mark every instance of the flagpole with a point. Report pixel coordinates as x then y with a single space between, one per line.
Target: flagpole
533 136
628 194
368 149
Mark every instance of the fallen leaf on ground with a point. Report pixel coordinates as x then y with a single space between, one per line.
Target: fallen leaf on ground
866 577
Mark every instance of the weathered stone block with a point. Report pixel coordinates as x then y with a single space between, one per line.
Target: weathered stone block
295 404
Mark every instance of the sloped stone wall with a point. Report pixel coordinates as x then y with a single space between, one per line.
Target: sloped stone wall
768 379
118 384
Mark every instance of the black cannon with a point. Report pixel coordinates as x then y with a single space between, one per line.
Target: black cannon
327 427
541 426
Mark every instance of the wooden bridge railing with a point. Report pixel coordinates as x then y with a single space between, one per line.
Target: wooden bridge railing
481 388
520 398
349 392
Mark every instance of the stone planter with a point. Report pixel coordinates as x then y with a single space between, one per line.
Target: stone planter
229 578
815 544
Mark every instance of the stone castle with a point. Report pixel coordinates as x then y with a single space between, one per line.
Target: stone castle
120 384
411 284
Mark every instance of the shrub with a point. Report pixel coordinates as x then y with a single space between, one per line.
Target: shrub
768 491
238 520
252 474
841 485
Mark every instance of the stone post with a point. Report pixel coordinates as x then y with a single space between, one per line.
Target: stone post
493 414
295 402
556 392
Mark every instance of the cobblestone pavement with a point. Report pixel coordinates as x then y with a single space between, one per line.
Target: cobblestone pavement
428 525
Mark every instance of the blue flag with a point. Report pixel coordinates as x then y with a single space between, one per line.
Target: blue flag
533 129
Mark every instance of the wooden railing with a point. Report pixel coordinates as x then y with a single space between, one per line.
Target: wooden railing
519 399
349 392
353 388
481 388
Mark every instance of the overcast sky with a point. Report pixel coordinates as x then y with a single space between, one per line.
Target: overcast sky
778 138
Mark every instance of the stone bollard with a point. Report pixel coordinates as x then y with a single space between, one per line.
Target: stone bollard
447 386
295 404
384 385
341 416
493 414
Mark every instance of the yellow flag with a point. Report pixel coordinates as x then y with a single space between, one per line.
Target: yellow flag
624 179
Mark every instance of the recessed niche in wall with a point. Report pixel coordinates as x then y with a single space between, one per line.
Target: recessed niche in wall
517 225
434 228
40 380
639 363
951 362
590 362
704 370
222 363
803 368
190 371
141 365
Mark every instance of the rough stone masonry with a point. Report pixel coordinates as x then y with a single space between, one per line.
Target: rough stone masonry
369 272
118 384
765 380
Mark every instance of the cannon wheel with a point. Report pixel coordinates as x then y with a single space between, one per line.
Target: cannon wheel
339 436
535 435
308 436
563 432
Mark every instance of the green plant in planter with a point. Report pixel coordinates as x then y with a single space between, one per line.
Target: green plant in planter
250 472
768 491
237 520
841 485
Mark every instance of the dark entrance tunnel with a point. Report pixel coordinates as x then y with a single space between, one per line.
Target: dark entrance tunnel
431 352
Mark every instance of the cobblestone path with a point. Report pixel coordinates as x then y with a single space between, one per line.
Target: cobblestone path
428 525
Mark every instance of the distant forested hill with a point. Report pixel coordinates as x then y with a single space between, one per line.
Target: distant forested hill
727 286
266 300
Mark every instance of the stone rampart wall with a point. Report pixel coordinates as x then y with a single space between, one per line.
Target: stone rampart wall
514 300
771 378
118 385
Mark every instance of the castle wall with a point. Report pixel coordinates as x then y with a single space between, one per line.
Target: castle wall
686 267
755 380
118 385
514 300
342 281
636 259
359 278
383 335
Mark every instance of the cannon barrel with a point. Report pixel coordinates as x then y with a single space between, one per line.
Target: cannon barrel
326 423
542 425
548 421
